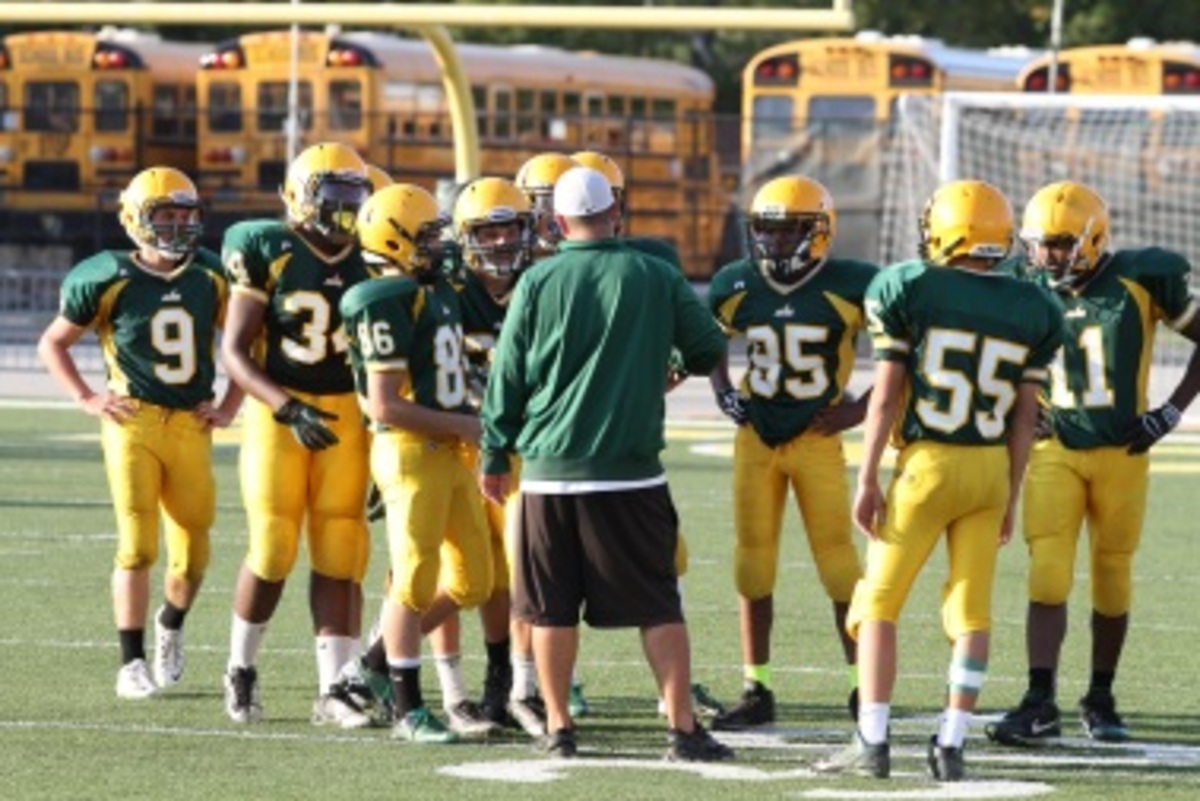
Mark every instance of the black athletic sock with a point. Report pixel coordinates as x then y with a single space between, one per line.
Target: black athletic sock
133 644
406 689
171 616
499 653
1041 680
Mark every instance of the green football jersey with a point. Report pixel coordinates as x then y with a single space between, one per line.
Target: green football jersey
968 339
304 345
800 344
394 323
1099 384
482 314
156 330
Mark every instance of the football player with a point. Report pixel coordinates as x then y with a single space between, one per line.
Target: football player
156 311
304 450
494 228
800 312
961 352
405 334
536 179
1094 465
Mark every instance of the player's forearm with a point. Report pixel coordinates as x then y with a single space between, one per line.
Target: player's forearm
1021 434
718 379
885 399
1189 385
400 413
251 378
59 363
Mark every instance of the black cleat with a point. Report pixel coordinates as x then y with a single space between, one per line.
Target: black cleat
945 762
560 744
497 682
1100 719
696 746
757 708
1036 719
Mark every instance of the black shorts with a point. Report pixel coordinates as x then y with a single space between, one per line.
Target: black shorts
610 553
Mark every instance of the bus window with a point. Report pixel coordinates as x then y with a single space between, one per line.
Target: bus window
112 106
849 114
572 111
526 115
225 107
165 116
662 133
345 105
3 106
480 98
551 124
188 112
51 106
773 116
502 109
273 105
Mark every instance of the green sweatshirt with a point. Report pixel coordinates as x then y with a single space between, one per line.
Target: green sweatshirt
579 376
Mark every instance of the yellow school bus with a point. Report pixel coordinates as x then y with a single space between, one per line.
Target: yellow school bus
824 108
81 113
383 95
1138 67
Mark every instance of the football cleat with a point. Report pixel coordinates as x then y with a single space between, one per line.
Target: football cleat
1037 718
696 745
859 759
757 708
1100 718
338 708
467 720
134 681
241 695
168 655
422 727
561 744
945 762
529 714
497 684
577 703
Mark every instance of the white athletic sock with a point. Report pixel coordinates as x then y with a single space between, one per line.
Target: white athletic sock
873 723
245 640
953 731
450 677
524 678
333 651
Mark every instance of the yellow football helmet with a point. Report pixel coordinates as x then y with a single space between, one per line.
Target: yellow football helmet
378 178
493 223
162 188
400 228
609 168
791 225
966 219
536 179
1070 218
324 188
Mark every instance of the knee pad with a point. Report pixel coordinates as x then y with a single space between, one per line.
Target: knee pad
755 571
839 570
338 547
273 548
1112 583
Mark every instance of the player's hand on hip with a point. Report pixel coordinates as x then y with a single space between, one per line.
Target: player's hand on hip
107 406
214 416
307 424
1150 427
870 509
838 417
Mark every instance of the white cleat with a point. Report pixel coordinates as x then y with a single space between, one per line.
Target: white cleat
168 655
135 682
337 708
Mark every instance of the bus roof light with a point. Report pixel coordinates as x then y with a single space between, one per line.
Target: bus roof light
779 71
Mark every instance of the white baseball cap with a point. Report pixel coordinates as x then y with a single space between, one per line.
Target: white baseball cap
582 192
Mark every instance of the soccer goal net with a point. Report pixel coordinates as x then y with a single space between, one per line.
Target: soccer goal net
1141 153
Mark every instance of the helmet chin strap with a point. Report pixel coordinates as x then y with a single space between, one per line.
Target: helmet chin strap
792 269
